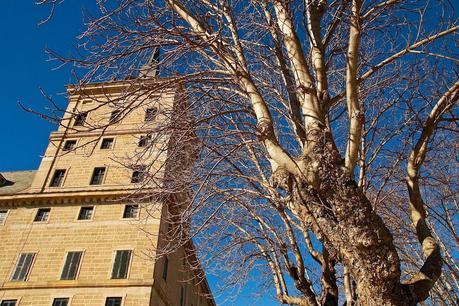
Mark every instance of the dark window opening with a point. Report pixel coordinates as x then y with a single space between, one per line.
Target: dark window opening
131 211
115 116
72 262
42 215
138 176
165 268
23 267
69 145
107 143
85 213
3 214
58 178
9 303
80 119
98 176
144 141
113 301
60 301
121 264
151 113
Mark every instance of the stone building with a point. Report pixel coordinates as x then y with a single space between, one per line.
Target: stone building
68 233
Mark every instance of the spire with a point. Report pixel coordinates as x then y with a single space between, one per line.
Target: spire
150 69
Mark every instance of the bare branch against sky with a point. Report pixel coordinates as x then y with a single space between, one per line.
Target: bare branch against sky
312 145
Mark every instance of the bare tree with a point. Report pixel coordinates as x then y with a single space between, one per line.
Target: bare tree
311 141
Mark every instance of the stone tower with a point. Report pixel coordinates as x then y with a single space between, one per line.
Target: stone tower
67 237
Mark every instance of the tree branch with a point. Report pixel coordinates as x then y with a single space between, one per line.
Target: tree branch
356 116
401 53
425 279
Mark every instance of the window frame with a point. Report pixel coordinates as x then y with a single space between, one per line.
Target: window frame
61 297
16 302
36 214
92 214
138 176
130 218
86 101
123 298
115 116
61 183
103 178
7 212
151 117
128 267
76 119
29 270
112 145
77 272
146 138
75 141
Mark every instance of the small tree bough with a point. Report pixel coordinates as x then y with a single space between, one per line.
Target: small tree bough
422 282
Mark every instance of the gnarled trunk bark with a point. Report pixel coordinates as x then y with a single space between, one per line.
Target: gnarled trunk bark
346 223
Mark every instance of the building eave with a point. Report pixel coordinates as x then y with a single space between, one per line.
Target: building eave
68 197
117 85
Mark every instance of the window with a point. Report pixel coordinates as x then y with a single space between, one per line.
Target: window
42 215
23 267
87 101
69 145
9 303
115 116
58 178
60 301
150 114
107 143
138 175
121 264
113 301
72 262
165 268
80 119
131 211
3 214
98 176
86 213
144 141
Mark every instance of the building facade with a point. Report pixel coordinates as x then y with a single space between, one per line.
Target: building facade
69 235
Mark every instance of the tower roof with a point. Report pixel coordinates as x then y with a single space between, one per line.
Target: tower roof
16 182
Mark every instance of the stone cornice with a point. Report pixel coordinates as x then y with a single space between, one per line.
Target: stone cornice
69 197
75 284
59 134
115 86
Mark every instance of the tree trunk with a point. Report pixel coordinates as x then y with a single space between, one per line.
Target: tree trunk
346 223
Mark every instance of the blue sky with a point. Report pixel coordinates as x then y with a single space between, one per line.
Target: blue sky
25 68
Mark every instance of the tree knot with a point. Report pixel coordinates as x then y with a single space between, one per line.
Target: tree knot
265 129
281 178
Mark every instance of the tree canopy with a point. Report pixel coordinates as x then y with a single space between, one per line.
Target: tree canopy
313 143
